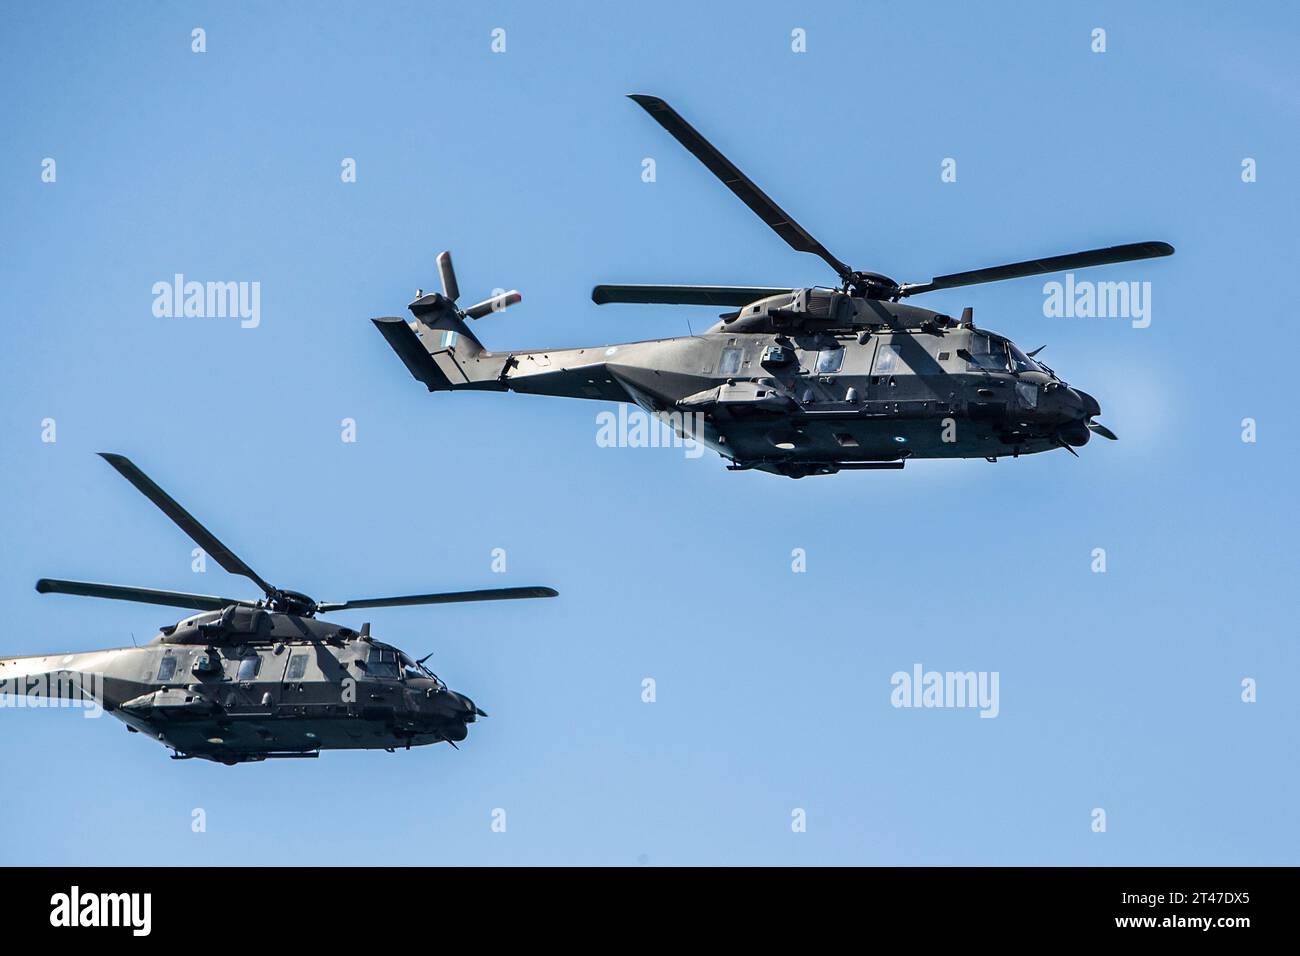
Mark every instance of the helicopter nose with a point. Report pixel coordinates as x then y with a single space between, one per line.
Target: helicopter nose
1073 413
1091 407
459 707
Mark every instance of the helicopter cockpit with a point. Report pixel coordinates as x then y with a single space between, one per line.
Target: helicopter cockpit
414 670
990 353
1020 362
390 663
986 353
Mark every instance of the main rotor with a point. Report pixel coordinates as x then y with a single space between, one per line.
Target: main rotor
274 598
869 285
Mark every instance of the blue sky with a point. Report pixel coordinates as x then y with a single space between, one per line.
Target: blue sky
1118 690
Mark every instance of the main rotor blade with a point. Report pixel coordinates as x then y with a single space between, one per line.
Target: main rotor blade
1032 267
115 592
201 536
740 184
446 597
733 295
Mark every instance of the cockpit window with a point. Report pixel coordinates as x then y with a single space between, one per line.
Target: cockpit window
987 353
1020 362
382 662
730 363
413 670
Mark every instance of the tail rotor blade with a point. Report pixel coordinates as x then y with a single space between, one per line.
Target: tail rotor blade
494 304
448 276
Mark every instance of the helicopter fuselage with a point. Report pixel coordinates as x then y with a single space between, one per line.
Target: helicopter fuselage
246 680
797 381
804 383
245 684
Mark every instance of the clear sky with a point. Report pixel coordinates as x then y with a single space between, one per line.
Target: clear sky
1119 691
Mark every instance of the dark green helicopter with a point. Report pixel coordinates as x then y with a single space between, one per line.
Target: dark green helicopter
248 680
792 381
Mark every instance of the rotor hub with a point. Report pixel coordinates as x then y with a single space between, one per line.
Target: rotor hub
291 602
871 285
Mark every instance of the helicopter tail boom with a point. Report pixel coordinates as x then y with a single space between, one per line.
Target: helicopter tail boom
57 680
458 362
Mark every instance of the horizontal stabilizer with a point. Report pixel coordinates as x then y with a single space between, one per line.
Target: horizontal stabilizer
411 351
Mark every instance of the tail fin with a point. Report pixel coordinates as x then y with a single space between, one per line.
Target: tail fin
425 354
435 345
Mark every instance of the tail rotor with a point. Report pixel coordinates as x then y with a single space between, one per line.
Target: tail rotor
433 307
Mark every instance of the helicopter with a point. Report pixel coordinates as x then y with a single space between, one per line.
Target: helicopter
790 381
248 680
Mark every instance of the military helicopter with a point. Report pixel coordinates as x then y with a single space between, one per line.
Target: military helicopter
794 382
251 680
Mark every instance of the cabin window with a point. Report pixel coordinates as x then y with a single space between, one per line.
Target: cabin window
248 667
889 361
297 667
830 360
167 669
730 363
382 662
